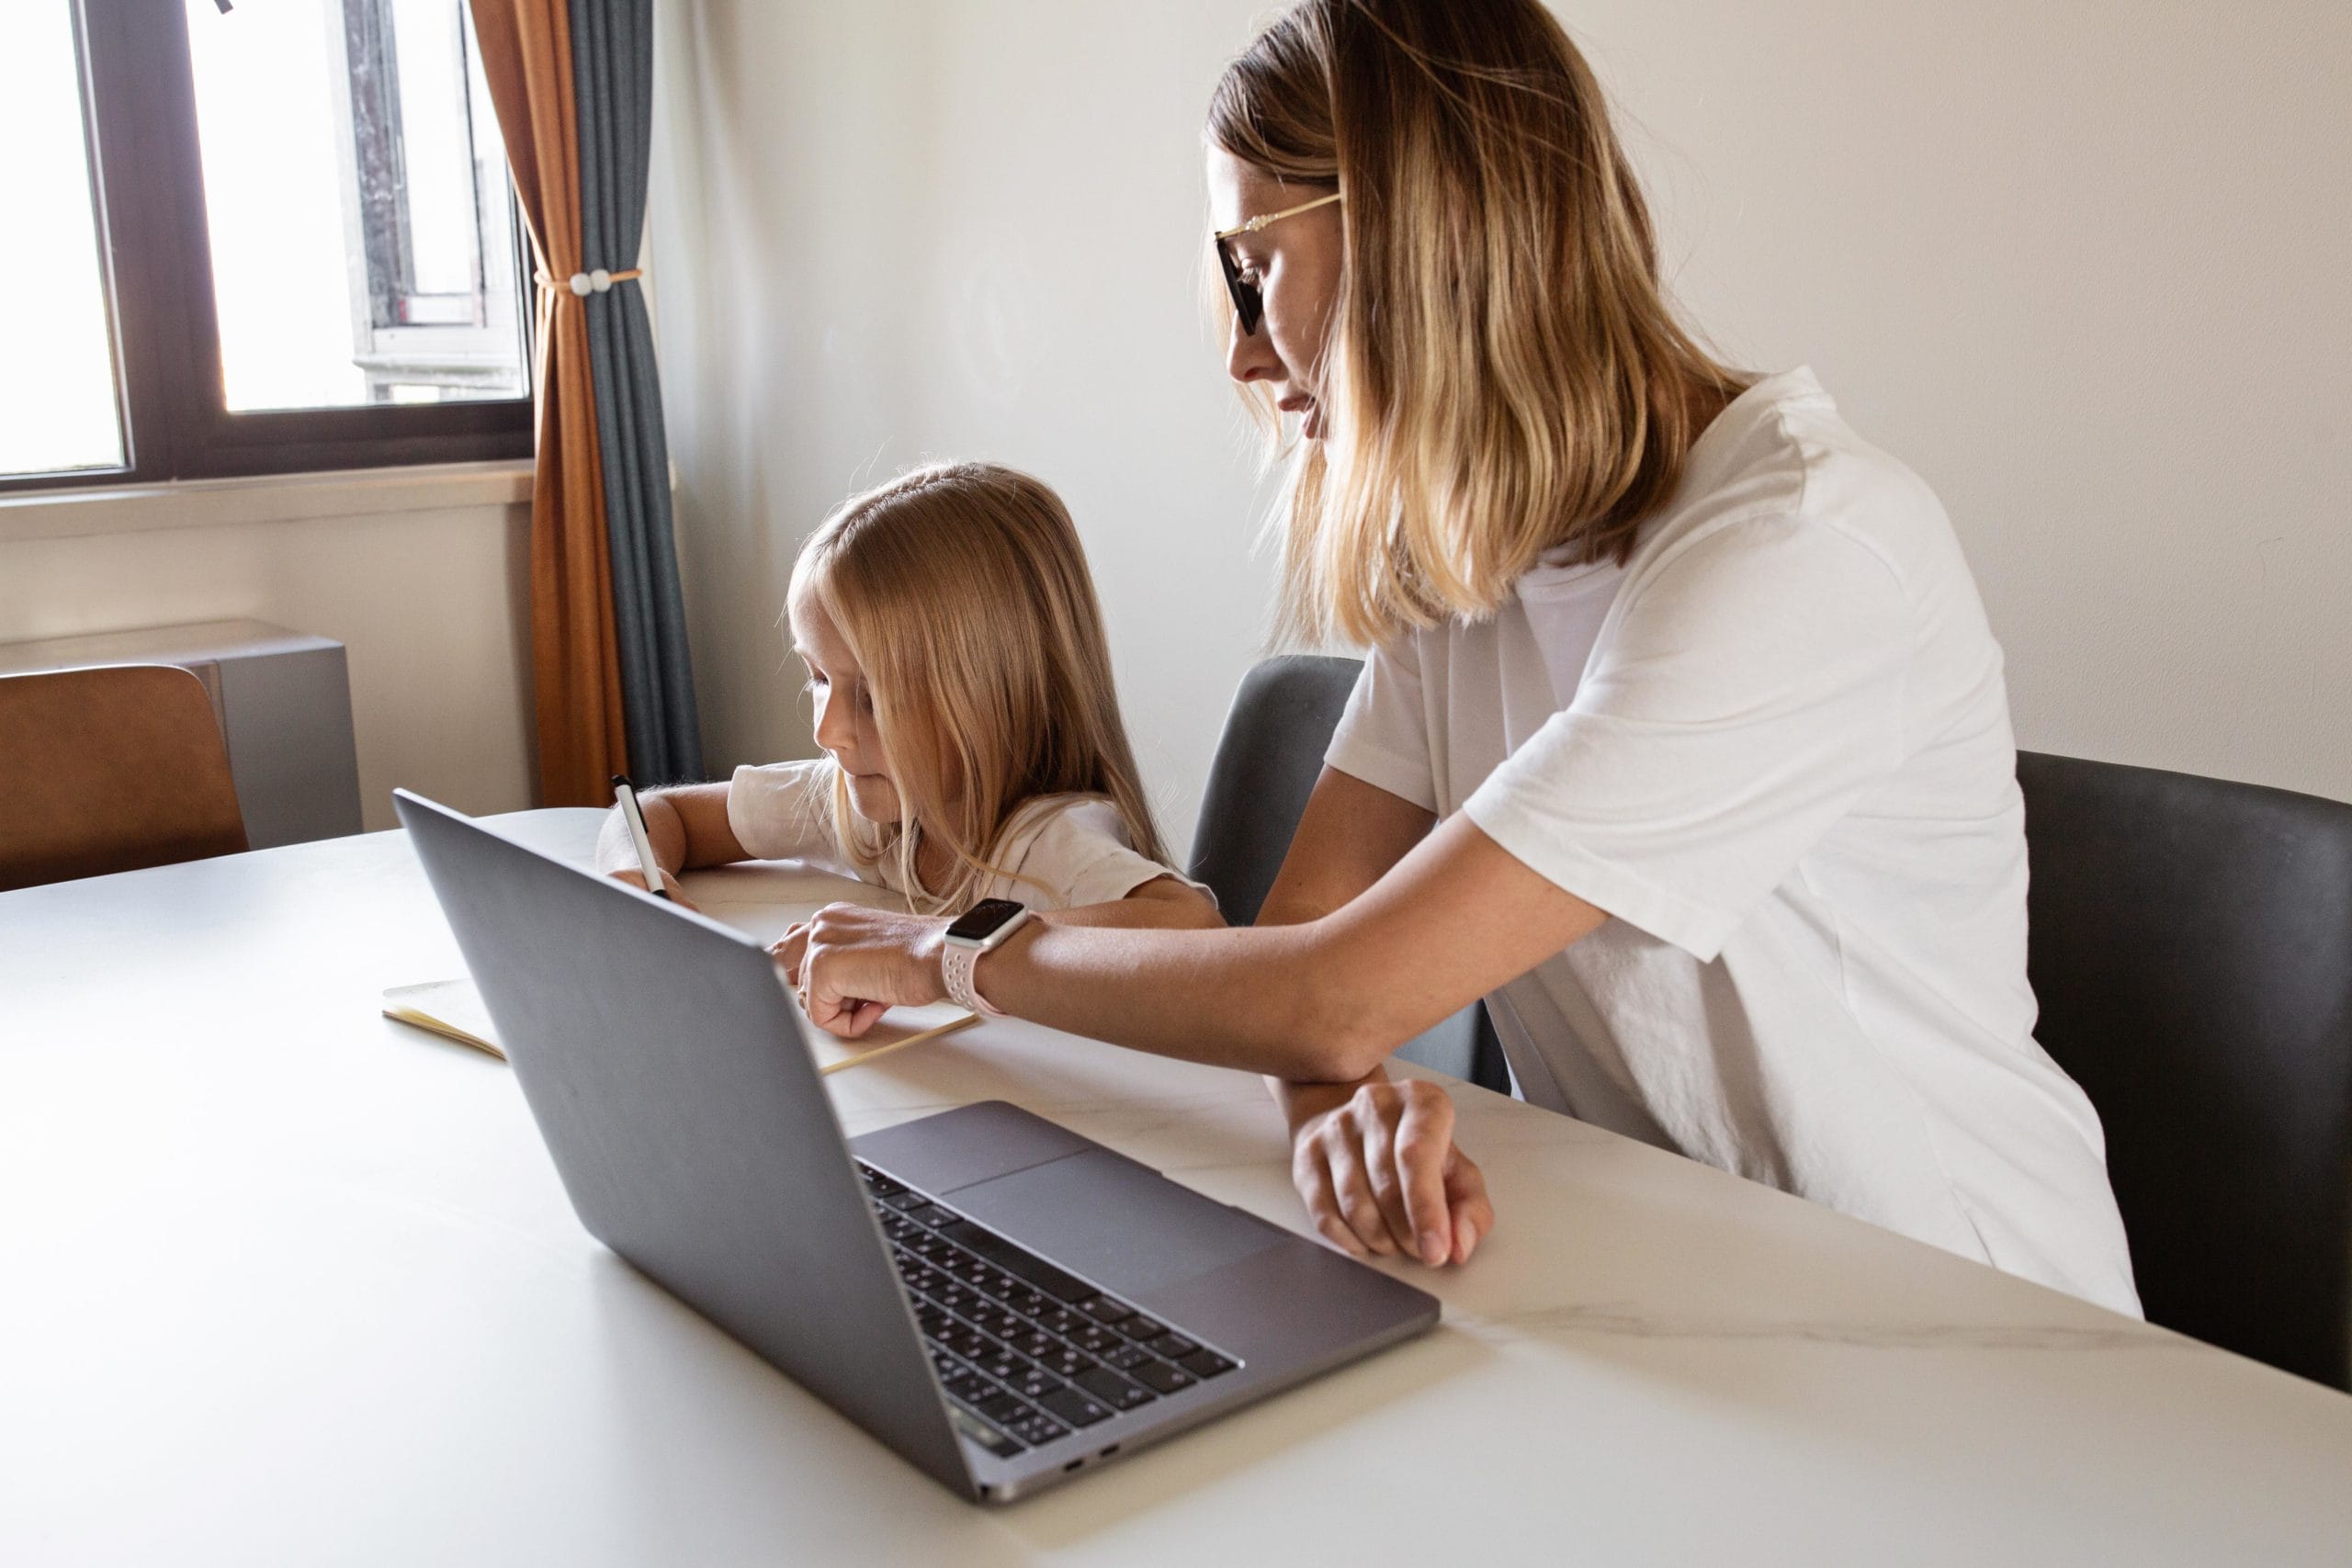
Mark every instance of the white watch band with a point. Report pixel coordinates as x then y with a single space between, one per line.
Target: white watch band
956 963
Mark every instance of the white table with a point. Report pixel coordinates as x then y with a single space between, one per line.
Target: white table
283 1282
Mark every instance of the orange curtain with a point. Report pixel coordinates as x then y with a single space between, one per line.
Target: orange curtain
526 61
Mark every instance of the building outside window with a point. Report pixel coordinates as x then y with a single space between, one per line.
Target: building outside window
270 236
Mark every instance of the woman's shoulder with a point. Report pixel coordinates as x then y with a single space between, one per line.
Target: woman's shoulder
1781 474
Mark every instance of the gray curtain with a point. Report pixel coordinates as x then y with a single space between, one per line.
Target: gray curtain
612 68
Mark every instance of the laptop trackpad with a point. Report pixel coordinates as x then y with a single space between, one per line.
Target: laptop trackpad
1120 1224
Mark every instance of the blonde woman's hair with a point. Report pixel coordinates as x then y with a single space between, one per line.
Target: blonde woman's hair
1505 376
963 592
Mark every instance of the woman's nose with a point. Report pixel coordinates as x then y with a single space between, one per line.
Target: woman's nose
1250 356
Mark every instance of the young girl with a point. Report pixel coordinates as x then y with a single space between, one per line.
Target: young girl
972 738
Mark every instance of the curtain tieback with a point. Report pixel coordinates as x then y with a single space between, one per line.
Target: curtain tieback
586 283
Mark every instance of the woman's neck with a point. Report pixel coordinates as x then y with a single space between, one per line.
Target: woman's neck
1702 402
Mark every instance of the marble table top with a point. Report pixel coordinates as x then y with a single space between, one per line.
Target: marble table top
284 1281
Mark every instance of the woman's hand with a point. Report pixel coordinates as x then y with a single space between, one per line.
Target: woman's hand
787 949
1377 1165
853 963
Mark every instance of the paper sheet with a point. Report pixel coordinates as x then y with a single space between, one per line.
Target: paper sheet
453 1009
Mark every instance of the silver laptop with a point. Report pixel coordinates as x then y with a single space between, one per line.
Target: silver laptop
1001 1302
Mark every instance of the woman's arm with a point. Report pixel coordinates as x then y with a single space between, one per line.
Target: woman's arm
1324 1001
1325 998
1393 928
1374 1161
687 826
1165 903
1349 836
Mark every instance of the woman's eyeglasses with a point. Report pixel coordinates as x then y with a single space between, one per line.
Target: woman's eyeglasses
1248 300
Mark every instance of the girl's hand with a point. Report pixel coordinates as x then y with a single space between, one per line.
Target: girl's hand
670 885
853 963
1380 1171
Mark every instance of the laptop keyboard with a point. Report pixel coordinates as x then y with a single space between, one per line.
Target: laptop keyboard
1027 1352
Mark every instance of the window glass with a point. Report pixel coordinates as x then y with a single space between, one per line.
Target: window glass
58 405
362 232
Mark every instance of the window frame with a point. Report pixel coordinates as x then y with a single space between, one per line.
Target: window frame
155 251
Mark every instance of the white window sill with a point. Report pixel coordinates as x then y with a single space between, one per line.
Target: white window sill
274 498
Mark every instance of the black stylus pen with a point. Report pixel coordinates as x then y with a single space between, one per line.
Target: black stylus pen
625 796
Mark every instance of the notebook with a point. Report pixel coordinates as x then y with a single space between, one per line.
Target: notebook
453 1009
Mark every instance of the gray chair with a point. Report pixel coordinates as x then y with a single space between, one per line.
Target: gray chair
1266 765
2191 949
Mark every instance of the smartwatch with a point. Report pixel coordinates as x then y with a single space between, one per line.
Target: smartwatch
982 928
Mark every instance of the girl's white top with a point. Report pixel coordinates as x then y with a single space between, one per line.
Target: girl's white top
1774 746
1064 850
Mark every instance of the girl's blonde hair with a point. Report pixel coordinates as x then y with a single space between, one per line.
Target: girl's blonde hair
1504 377
963 592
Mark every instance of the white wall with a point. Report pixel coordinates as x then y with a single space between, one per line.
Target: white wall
891 232
2087 266
423 578
2082 265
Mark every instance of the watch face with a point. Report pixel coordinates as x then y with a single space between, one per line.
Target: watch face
983 918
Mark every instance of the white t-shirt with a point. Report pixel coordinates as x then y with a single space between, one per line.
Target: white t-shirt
1774 746
1068 850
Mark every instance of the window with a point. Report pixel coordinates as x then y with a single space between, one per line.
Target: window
58 396
270 236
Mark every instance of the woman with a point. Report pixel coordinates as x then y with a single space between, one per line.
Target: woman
1683 741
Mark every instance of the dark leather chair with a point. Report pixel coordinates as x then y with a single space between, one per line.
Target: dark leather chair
2191 949
110 769
1266 765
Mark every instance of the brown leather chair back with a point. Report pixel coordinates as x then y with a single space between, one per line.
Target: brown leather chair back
111 769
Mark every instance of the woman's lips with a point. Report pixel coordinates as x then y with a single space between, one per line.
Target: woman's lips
1311 426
